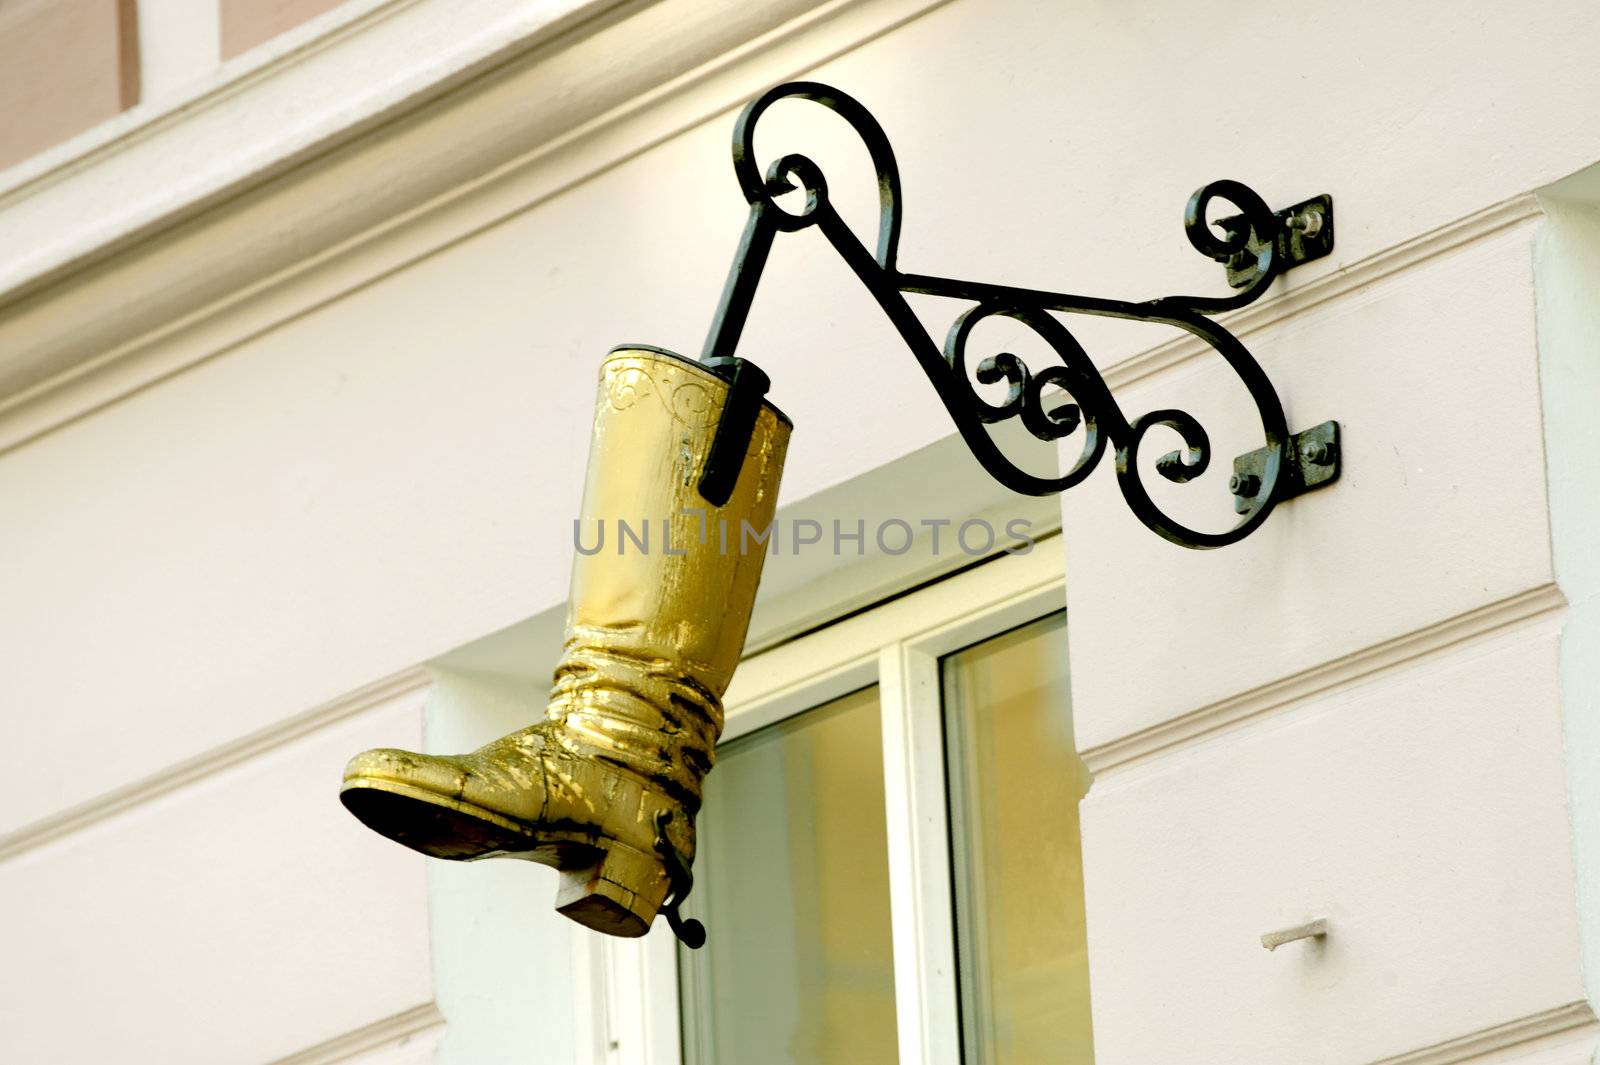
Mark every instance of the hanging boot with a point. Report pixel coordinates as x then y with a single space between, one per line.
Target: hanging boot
607 786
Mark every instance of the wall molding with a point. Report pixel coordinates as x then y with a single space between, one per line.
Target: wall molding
174 307
253 117
220 268
1571 1026
1325 679
110 804
1298 297
388 1033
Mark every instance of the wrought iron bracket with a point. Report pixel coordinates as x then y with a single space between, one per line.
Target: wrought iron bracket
1055 402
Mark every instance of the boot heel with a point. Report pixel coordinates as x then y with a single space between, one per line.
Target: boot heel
619 894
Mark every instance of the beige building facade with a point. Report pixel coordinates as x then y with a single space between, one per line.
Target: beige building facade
298 347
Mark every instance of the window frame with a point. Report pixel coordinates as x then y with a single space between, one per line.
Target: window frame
897 645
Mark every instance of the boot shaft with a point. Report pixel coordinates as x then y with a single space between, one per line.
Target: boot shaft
663 582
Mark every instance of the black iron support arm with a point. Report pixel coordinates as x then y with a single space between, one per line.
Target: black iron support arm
1256 244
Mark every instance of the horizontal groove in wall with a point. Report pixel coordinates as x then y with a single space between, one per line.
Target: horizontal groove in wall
1324 679
1571 1026
388 1033
112 803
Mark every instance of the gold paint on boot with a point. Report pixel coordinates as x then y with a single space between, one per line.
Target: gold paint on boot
653 636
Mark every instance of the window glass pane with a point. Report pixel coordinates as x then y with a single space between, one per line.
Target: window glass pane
1015 782
792 881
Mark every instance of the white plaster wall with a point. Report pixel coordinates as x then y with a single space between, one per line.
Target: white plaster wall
238 918
355 464
1423 815
512 975
1569 360
313 481
1430 519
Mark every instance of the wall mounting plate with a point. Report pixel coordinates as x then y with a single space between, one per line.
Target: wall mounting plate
1314 460
1306 234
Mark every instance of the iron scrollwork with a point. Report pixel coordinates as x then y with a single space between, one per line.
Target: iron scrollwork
1255 243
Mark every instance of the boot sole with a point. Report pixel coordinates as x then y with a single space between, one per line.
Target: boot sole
605 885
444 827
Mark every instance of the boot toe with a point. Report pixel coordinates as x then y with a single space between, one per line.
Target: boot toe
406 767
416 800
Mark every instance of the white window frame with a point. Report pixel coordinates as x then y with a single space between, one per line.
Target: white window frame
896 645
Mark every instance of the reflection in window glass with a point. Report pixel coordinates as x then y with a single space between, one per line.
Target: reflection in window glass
792 881
1015 782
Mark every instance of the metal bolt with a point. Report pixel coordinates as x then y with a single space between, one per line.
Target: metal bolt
1241 259
1244 484
1317 929
1308 221
1317 452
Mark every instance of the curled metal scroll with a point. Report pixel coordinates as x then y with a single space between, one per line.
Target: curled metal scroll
1055 401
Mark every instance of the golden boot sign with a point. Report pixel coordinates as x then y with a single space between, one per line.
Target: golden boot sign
607 786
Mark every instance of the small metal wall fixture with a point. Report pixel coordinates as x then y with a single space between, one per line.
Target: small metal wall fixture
1255 244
